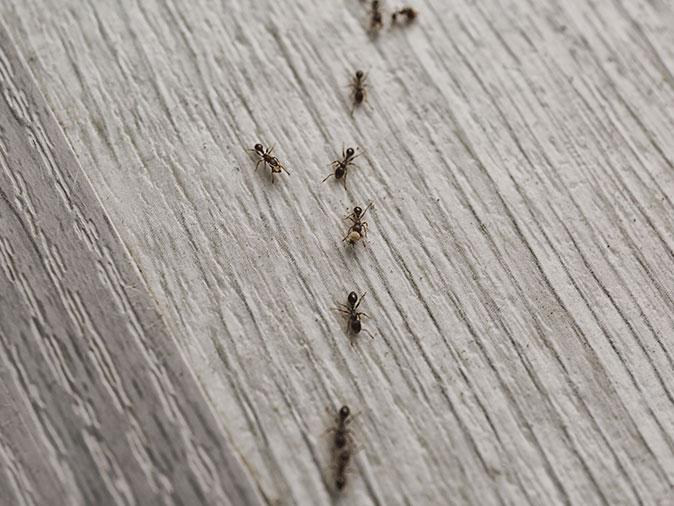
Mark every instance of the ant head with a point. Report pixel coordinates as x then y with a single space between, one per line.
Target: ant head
375 4
340 482
344 411
359 73
353 298
350 152
357 211
339 172
259 148
355 326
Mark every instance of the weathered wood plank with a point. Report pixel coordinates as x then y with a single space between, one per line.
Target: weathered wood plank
97 406
520 262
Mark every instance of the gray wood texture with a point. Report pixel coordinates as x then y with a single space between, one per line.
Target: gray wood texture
97 405
519 266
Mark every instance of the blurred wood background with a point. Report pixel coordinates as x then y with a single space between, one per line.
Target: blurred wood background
167 333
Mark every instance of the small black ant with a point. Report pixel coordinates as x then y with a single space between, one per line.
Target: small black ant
359 88
358 228
342 464
342 432
408 13
266 158
341 167
354 324
376 18
342 448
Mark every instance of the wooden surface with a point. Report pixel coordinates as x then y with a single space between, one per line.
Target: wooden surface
97 406
519 266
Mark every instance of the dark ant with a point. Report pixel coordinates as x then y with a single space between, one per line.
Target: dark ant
359 88
354 325
342 432
358 229
341 167
376 18
266 158
408 13
341 448
342 464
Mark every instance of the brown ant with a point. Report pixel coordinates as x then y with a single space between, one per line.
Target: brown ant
341 449
358 228
354 324
359 89
341 167
408 13
266 158
376 18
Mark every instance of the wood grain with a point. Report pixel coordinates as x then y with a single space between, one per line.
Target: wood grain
97 406
520 258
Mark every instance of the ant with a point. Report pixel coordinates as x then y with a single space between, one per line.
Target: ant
342 432
342 166
266 158
341 448
358 229
405 12
376 18
359 88
354 325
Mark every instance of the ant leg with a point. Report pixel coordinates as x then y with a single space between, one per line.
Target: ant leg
326 177
368 333
360 300
347 235
365 210
352 216
257 165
